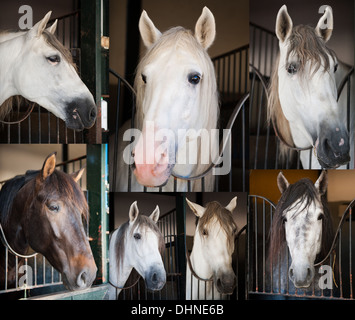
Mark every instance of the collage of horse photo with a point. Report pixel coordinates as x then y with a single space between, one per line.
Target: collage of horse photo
177 151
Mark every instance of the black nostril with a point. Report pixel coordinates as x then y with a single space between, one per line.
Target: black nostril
154 277
309 273
93 113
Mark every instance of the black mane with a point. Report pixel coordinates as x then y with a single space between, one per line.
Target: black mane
9 190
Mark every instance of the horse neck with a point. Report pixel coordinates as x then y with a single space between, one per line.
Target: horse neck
11 45
15 227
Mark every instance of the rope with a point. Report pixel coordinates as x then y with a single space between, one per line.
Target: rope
7 245
24 118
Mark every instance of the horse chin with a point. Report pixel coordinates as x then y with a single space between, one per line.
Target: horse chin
327 163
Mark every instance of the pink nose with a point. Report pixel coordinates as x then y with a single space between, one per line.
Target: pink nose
152 167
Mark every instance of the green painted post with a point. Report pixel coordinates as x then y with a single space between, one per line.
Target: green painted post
97 185
181 240
91 64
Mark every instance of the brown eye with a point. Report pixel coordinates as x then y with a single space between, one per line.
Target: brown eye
53 207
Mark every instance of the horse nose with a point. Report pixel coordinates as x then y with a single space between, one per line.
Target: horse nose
82 279
93 114
301 278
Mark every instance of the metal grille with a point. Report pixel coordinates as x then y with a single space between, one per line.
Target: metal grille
262 283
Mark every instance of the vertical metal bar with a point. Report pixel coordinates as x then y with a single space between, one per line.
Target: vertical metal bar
350 255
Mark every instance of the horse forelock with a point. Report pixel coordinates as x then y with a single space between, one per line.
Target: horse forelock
302 193
61 185
216 212
307 46
175 39
56 44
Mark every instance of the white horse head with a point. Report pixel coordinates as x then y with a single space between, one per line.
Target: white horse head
176 90
138 244
302 219
213 247
35 65
304 87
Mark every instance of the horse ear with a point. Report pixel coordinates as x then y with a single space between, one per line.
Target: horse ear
40 26
77 175
231 206
282 182
322 183
149 33
325 30
205 29
196 208
48 166
155 215
283 24
133 212
53 27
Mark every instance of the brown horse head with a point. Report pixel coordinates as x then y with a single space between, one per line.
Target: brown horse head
47 214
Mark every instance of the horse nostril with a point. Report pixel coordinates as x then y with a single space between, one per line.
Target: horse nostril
92 115
154 277
309 273
82 279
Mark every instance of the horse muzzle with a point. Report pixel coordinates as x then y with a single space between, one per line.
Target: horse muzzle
81 114
333 148
301 276
226 283
155 279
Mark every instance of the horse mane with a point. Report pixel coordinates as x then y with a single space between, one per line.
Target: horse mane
301 191
175 38
307 46
120 244
8 193
51 40
58 180
215 210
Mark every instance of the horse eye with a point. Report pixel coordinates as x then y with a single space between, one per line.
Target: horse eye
194 78
321 216
284 220
144 78
53 207
53 60
335 68
137 236
292 69
205 232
